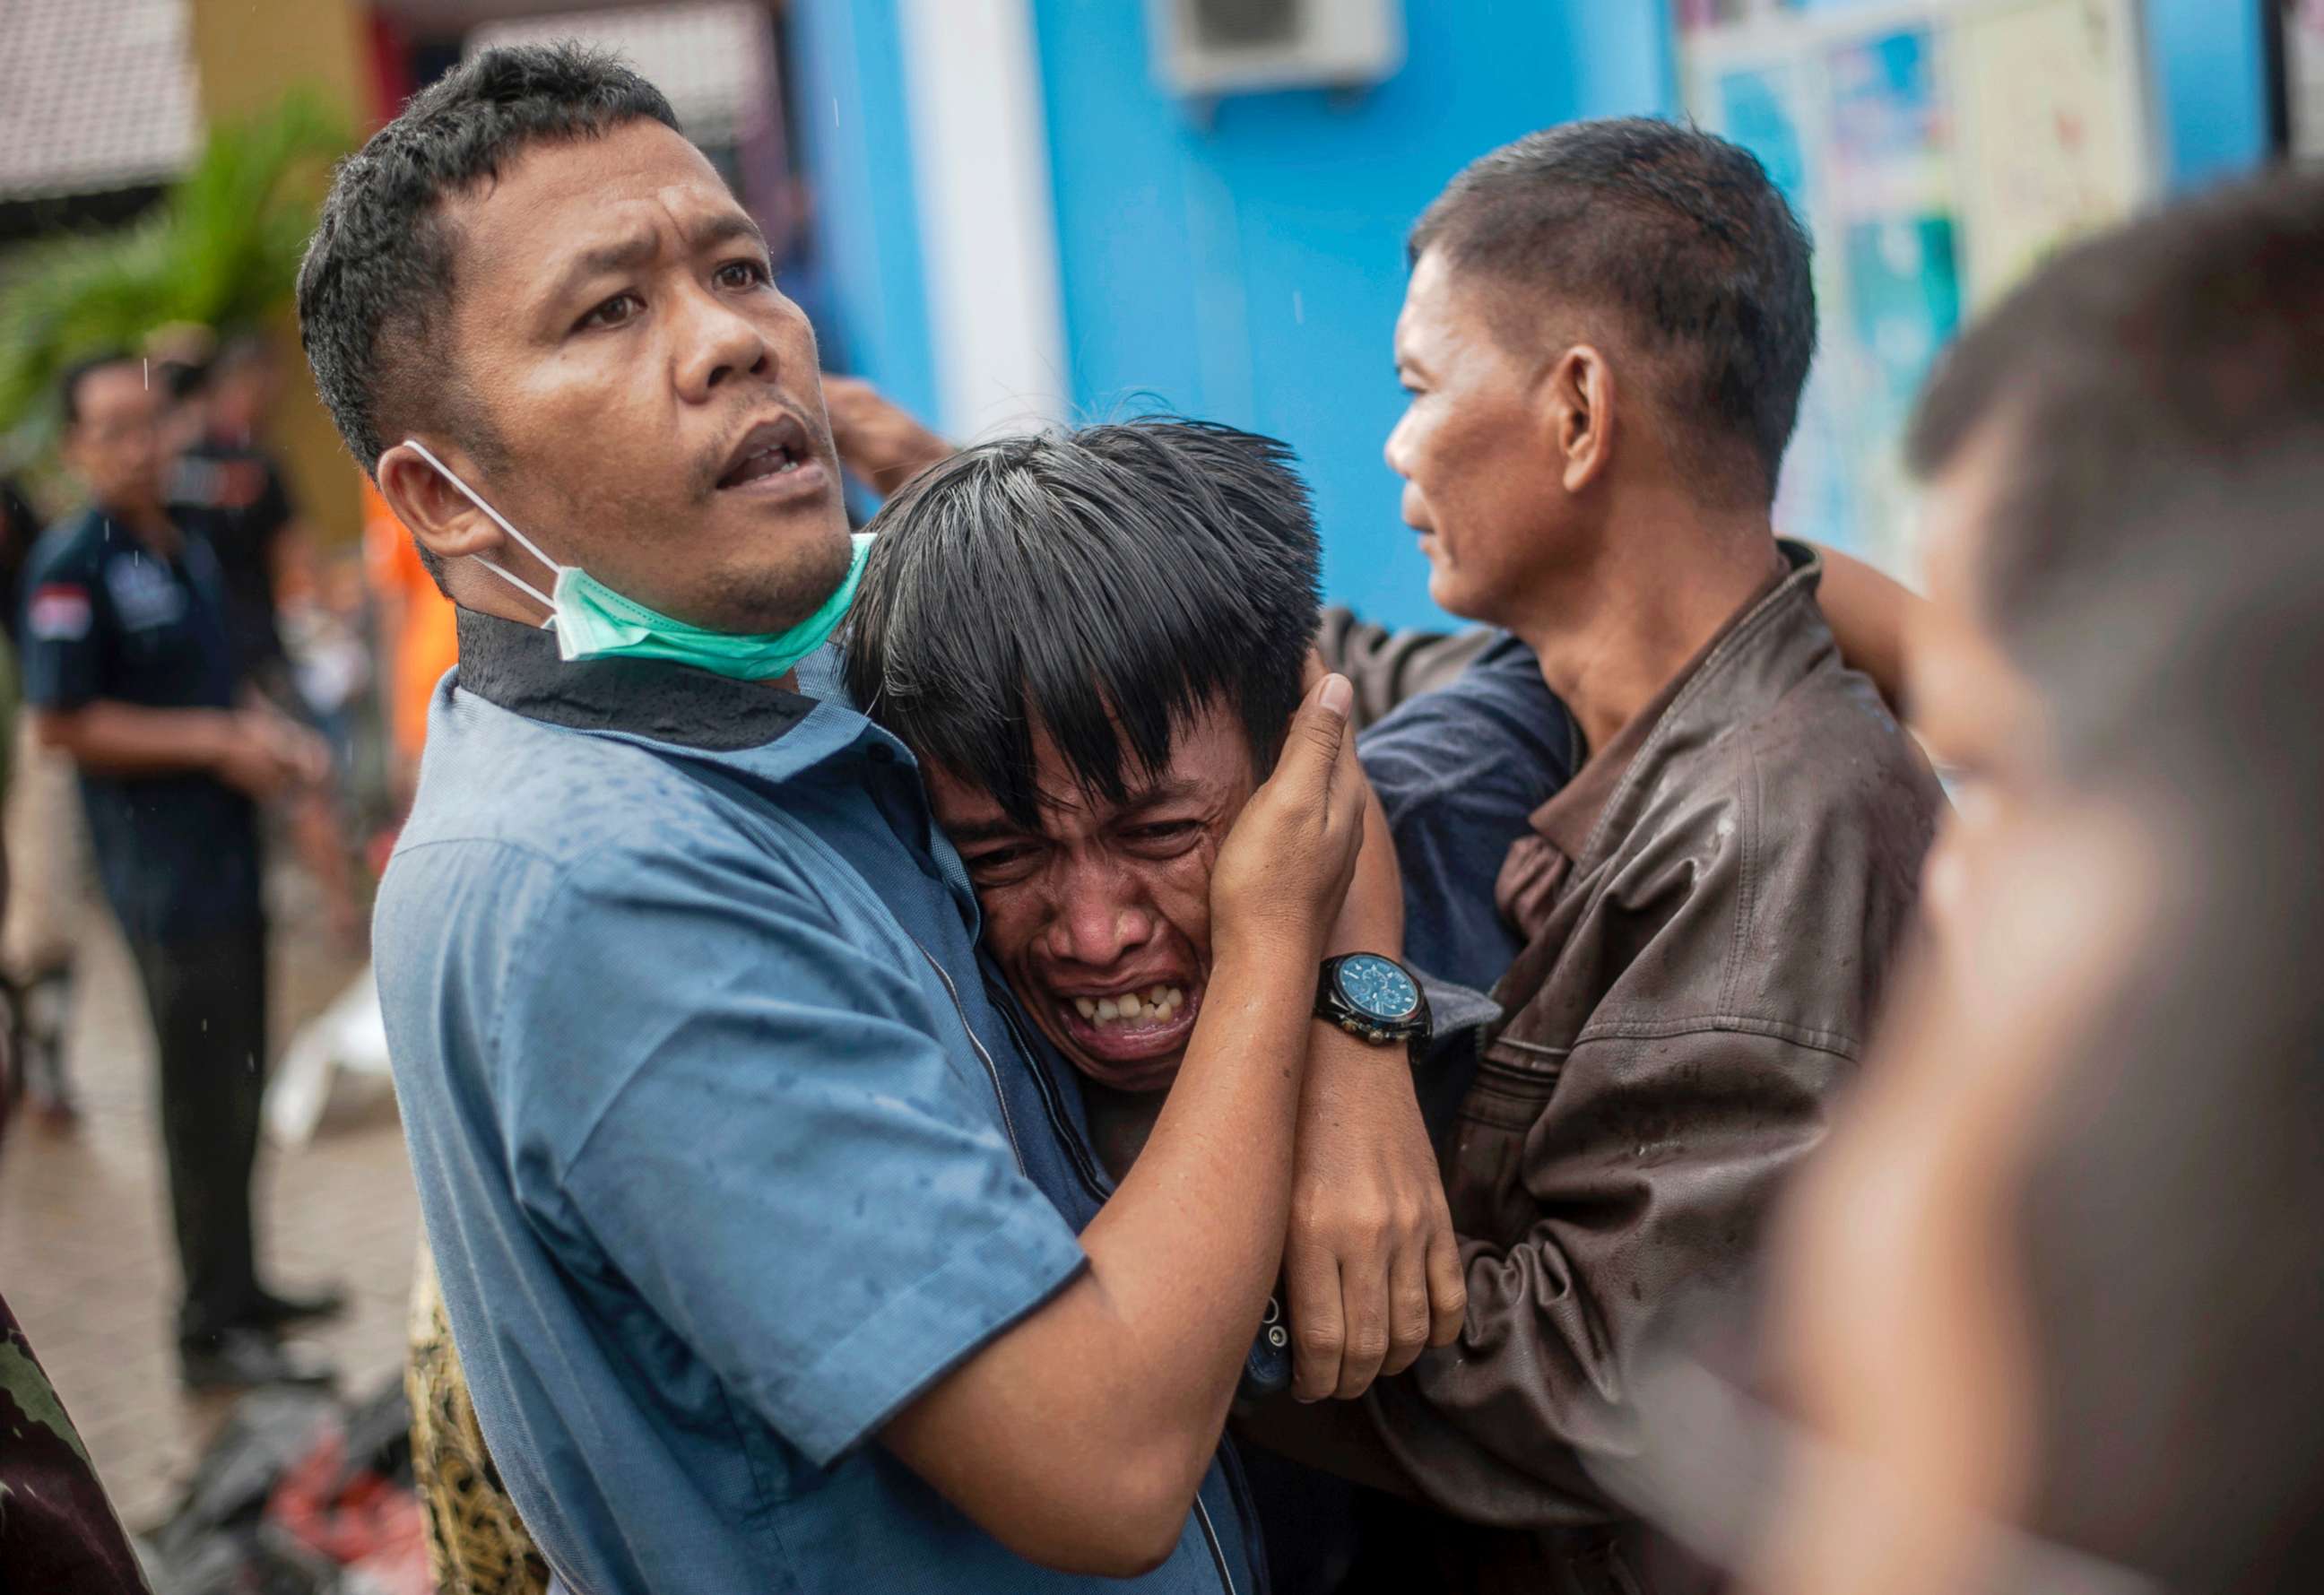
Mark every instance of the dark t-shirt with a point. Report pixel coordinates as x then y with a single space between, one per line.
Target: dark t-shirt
107 618
1459 771
240 498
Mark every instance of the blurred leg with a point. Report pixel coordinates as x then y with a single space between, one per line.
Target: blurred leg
208 1002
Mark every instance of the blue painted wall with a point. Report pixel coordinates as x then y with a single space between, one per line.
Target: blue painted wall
1249 272
847 71
2210 81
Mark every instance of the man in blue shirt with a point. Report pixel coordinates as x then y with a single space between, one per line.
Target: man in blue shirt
128 671
775 1257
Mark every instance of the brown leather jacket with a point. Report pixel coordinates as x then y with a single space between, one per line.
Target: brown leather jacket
1712 906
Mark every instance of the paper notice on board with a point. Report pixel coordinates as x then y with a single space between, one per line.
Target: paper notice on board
2049 149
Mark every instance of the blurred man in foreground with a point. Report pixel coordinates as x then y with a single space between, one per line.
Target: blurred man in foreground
2075 1349
129 671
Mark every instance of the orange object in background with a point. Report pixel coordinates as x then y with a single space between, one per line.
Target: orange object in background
418 629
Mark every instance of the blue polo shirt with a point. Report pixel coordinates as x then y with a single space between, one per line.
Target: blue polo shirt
728 1144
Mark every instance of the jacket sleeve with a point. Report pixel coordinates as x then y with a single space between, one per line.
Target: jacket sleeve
1649 1173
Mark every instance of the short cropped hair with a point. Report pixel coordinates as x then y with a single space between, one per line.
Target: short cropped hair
68 383
378 279
1683 235
2187 343
1102 586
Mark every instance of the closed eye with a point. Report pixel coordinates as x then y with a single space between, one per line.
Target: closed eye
1001 865
1164 838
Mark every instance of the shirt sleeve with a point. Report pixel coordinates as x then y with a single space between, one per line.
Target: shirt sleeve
1458 772
781 1150
64 632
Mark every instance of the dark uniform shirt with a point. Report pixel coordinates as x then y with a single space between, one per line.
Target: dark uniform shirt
238 495
107 618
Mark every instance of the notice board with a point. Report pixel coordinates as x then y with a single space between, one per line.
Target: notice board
1937 151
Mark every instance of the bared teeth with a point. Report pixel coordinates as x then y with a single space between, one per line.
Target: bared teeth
1155 1005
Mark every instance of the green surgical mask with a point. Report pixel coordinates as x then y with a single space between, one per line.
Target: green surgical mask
593 622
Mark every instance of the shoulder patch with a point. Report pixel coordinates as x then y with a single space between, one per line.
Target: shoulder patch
58 611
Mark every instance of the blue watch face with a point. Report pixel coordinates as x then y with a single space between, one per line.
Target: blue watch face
1377 988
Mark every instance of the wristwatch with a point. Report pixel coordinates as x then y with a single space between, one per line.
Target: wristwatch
1372 997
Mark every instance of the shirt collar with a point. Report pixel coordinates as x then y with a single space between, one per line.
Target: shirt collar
518 666
1567 820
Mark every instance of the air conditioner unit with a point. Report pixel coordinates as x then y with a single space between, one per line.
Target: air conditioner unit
1212 47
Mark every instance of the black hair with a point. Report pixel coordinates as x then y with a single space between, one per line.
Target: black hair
1678 230
1102 586
69 380
380 272
2185 343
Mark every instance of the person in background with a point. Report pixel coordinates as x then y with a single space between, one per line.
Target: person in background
226 474
2052 1299
129 671
47 845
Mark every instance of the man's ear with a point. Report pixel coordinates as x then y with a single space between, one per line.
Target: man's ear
447 523
1577 398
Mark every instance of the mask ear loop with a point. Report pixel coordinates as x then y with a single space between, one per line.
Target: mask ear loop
525 543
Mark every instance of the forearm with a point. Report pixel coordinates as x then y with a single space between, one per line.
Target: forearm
1371 918
1082 1433
110 738
1186 1252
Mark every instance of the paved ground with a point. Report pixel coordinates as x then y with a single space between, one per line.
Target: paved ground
85 1257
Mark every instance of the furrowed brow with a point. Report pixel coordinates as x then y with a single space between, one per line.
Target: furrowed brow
622 254
983 831
726 227
1161 793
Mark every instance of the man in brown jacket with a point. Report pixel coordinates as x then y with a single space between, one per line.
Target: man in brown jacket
1605 336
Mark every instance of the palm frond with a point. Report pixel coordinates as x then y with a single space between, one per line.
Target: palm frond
221 249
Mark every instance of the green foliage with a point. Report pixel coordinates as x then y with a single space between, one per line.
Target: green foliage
221 249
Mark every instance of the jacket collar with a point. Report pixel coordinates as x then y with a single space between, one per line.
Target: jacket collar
1722 684
518 668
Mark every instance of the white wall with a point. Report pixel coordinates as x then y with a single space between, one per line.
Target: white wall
981 155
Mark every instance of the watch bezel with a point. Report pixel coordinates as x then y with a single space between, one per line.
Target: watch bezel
1364 1010
1333 1003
